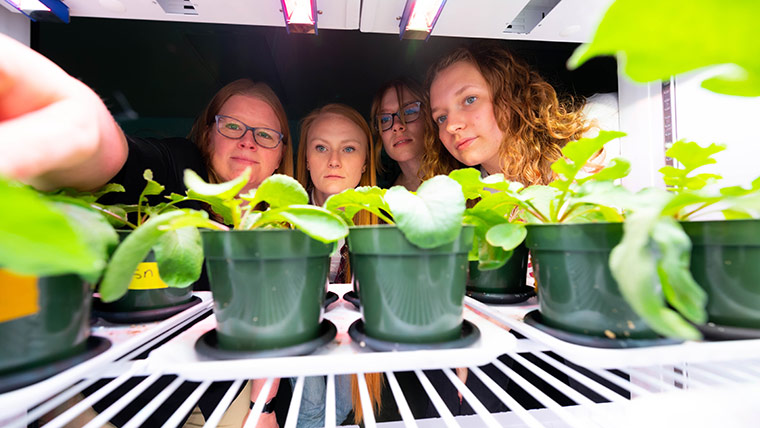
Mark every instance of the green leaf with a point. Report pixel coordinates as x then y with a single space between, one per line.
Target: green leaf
691 155
474 186
432 217
538 198
317 222
350 201
179 255
133 250
577 154
679 287
278 191
484 218
36 238
221 191
507 235
151 188
656 39
95 230
635 268
617 168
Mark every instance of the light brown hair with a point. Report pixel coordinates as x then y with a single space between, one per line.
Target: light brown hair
536 125
368 176
204 125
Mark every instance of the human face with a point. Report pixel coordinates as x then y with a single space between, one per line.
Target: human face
336 155
462 108
403 143
230 157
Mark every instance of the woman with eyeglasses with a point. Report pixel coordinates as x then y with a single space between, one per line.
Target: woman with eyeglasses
396 110
56 132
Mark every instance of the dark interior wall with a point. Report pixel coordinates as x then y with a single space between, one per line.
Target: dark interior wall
152 69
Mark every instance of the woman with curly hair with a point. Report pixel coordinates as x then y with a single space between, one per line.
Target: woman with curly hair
491 110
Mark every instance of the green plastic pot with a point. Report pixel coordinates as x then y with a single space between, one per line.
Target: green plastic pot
138 298
508 279
725 261
576 290
409 294
268 286
58 330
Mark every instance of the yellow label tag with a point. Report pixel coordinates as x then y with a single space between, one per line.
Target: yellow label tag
18 296
146 277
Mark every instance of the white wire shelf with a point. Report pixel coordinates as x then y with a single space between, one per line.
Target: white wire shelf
540 385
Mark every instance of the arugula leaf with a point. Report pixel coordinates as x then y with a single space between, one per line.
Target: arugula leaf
133 250
179 255
433 216
350 201
317 222
278 191
655 46
38 239
217 195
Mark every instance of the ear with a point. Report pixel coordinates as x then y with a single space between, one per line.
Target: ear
364 168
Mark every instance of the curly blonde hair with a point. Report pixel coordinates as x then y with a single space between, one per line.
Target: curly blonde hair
535 123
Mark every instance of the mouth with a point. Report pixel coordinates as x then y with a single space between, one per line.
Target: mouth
245 160
463 144
402 141
334 176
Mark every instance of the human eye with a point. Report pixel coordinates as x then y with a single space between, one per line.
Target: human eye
264 134
320 148
469 100
412 109
384 119
233 126
440 119
349 149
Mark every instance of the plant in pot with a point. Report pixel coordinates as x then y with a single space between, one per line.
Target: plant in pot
573 225
725 253
152 271
499 259
268 269
410 272
51 253
650 47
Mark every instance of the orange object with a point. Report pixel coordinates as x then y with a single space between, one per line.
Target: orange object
18 296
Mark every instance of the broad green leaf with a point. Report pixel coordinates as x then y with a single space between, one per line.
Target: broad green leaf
656 39
132 251
617 168
501 204
634 267
507 235
433 216
350 201
38 239
679 287
278 191
217 192
151 187
96 232
474 186
317 222
484 218
576 155
605 194
691 155
179 255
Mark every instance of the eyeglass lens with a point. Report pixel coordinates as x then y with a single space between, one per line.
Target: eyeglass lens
233 128
409 113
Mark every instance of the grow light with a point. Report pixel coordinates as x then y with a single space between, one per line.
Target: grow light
42 10
300 16
419 18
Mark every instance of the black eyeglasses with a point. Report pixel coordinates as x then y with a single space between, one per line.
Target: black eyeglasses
406 114
235 129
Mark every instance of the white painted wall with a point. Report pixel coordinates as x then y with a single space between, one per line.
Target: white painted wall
15 25
706 117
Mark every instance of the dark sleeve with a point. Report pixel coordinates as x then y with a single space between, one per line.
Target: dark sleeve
167 158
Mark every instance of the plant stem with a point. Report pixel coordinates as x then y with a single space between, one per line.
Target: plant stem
114 215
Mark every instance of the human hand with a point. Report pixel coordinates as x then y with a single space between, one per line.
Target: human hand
54 130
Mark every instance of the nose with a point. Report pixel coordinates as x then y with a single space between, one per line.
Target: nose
454 123
334 161
247 141
397 124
